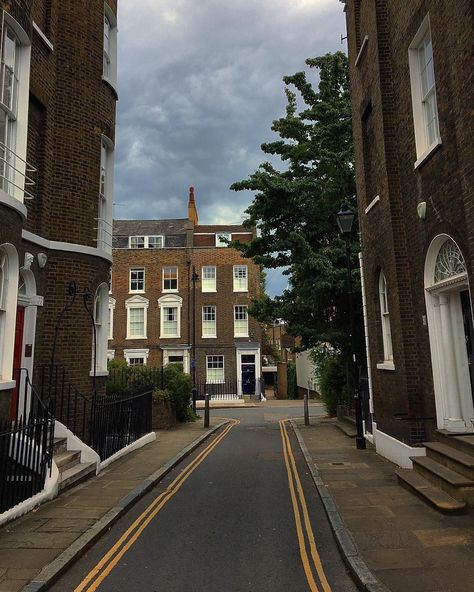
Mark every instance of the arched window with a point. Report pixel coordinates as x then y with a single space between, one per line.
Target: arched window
449 262
385 317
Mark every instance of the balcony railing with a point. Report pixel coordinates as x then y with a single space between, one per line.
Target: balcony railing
104 234
9 170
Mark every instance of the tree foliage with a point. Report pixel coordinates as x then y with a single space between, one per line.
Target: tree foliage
295 208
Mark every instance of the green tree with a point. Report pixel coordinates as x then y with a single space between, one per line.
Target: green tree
295 209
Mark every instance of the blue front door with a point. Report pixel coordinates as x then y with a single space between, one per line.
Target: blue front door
248 374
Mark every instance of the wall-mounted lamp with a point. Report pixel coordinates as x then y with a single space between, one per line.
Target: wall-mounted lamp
42 260
421 209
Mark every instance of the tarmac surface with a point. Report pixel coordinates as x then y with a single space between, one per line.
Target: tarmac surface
406 545
231 526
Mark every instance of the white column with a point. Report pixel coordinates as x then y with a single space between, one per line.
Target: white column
450 375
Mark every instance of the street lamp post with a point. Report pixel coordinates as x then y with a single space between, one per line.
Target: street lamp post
345 220
194 279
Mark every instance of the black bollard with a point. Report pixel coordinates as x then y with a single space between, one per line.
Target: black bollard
206 410
306 408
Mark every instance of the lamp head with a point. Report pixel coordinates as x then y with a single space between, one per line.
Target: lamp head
345 220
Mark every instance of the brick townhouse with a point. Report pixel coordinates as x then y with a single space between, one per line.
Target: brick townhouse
57 121
412 97
154 306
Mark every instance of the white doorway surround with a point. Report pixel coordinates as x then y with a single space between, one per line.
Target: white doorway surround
448 307
247 349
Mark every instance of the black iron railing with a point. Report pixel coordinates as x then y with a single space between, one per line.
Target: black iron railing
106 423
230 388
118 421
26 446
125 381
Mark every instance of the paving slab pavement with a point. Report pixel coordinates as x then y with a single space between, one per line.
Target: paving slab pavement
405 543
37 544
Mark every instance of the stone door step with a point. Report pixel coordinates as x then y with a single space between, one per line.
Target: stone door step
441 472
67 460
347 427
452 458
425 490
75 474
462 442
59 445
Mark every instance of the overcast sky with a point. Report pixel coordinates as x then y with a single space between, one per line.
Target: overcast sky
200 82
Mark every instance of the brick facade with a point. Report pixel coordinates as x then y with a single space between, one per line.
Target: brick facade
197 250
392 180
70 107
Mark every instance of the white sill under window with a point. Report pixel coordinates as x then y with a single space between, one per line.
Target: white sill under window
171 291
136 291
242 335
208 336
427 153
7 384
99 373
386 365
142 337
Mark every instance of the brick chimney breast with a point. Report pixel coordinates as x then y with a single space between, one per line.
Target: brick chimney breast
192 211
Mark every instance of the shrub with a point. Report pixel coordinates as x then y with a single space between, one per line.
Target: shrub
332 382
179 388
291 380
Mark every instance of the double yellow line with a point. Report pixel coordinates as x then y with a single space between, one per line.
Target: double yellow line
312 561
95 577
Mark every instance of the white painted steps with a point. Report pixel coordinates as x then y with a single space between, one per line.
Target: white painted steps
71 470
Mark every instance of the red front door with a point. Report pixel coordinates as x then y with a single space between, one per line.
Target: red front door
17 357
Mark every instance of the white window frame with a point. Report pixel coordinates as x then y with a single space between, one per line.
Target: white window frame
240 284
112 303
385 318
16 168
167 352
237 331
130 354
211 360
155 236
208 284
106 191
170 301
420 100
209 326
219 235
109 68
134 239
133 303
137 290
163 289
8 293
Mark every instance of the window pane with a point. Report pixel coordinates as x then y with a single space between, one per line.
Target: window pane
170 278
208 279
240 278
137 242
155 242
137 280
137 322
170 321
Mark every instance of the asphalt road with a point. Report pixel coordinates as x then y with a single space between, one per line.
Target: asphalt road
226 520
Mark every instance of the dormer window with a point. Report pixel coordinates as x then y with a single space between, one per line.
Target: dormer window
222 237
146 242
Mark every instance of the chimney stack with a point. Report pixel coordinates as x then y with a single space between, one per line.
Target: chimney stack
192 211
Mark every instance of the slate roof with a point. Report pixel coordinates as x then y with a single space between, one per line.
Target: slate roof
175 231
212 228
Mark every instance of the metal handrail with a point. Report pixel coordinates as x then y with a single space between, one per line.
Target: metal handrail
29 168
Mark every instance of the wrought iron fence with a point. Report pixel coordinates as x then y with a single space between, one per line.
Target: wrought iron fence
106 423
229 389
118 421
128 380
26 447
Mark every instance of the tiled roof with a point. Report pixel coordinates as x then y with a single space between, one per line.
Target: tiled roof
151 227
213 228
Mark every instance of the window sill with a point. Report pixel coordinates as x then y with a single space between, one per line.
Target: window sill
388 365
242 336
136 292
6 385
170 336
241 291
132 338
208 336
170 291
427 153
209 291
98 373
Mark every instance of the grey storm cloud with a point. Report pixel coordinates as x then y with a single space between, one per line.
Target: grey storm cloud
199 85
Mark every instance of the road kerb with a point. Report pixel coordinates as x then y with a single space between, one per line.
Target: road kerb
58 566
361 573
